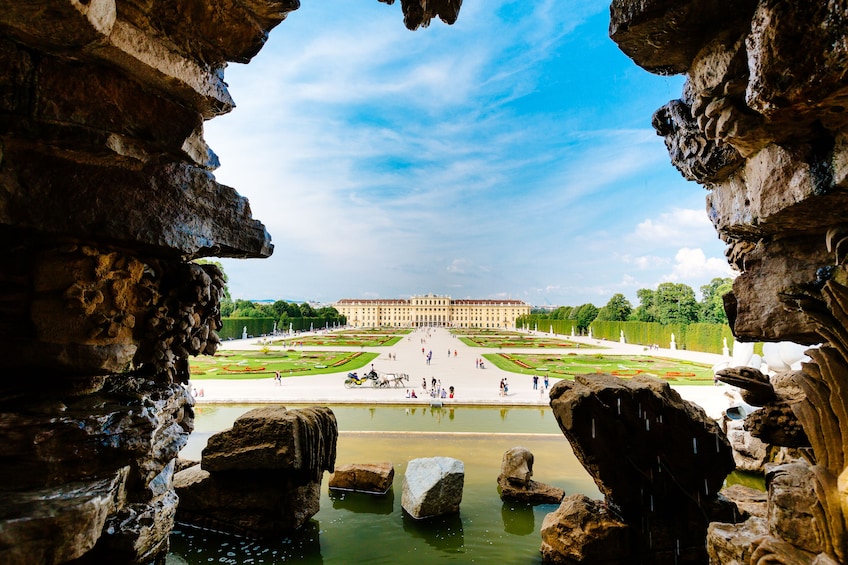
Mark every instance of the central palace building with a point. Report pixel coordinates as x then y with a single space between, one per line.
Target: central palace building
431 310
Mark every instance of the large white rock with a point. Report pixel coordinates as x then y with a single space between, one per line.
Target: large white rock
432 486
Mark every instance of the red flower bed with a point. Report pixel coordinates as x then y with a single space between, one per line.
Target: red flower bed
245 369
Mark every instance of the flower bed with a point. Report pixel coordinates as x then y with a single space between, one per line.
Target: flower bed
245 369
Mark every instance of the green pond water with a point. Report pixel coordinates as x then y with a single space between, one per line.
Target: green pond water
357 528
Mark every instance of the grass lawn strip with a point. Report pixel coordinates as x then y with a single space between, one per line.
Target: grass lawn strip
520 342
259 365
338 340
566 366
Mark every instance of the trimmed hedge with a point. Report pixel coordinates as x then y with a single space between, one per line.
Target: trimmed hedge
708 338
561 327
232 328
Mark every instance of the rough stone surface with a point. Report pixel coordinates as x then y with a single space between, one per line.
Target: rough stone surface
749 501
749 453
74 515
587 531
765 133
432 486
533 492
658 460
374 478
791 503
517 465
259 504
106 196
262 477
514 482
733 544
272 439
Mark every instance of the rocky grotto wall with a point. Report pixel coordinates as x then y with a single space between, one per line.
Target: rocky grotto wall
762 125
106 195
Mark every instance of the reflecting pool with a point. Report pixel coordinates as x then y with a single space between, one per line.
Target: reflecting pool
358 528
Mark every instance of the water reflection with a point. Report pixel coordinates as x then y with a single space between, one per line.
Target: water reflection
359 528
443 533
518 518
194 545
361 502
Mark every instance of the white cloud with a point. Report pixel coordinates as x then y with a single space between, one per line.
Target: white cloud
678 226
646 262
693 264
459 266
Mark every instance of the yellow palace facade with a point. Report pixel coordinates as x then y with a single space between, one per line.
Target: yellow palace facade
431 310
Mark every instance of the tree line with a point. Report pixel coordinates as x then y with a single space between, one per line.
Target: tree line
282 311
670 303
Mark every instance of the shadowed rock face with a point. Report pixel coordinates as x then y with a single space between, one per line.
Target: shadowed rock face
762 125
106 193
262 477
659 460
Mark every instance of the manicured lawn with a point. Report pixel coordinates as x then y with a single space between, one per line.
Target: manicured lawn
566 366
381 331
520 341
500 339
340 339
260 365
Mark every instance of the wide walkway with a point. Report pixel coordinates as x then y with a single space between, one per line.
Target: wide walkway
452 364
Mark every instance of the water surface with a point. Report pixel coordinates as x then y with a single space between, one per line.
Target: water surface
357 528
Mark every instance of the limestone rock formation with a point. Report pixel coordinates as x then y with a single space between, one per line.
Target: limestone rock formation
749 453
107 195
762 125
658 459
432 486
262 476
514 482
734 544
374 478
749 501
588 531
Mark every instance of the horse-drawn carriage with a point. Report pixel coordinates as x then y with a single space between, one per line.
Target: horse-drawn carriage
378 379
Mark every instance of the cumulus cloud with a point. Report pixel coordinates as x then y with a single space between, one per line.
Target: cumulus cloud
459 266
693 264
645 262
678 225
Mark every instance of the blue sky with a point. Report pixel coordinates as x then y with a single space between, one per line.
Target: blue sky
507 156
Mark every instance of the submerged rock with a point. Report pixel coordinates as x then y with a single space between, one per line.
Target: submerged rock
433 486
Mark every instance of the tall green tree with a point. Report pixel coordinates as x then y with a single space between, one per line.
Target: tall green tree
712 303
618 309
306 310
674 303
585 315
645 312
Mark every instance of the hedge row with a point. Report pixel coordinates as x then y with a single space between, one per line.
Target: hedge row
536 322
708 338
233 328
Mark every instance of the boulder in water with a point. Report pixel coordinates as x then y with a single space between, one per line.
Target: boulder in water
432 486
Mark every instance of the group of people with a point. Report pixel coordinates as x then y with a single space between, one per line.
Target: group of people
436 390
478 363
536 382
504 387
